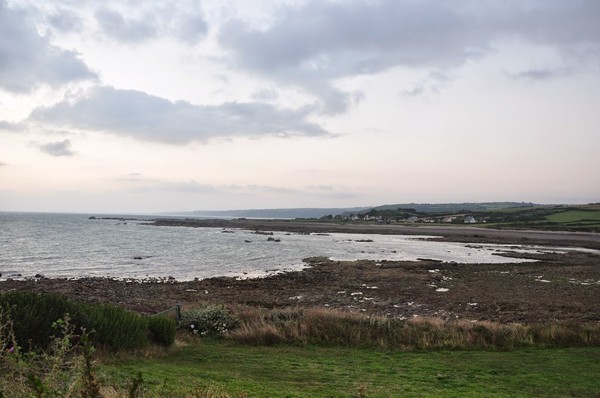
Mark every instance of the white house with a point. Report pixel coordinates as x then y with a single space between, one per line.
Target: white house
470 220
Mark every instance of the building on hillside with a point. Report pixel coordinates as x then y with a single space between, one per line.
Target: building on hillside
412 219
470 220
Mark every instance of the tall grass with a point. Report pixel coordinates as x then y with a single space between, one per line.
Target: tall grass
334 327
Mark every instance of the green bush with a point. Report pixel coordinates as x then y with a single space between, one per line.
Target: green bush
210 320
161 330
33 315
114 327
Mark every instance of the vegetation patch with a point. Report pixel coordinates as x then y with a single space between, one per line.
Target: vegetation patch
309 352
209 320
109 326
162 330
338 328
222 368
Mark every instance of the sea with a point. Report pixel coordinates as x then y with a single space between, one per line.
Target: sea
75 246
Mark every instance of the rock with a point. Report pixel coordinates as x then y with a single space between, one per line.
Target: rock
91 218
138 258
38 276
257 232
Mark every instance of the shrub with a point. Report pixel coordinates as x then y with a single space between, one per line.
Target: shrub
114 327
210 320
161 330
64 369
33 315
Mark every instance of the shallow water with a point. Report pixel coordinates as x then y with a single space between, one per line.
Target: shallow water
71 245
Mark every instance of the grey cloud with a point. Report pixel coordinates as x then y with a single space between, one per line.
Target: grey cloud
415 91
539 74
2 164
179 187
59 148
7 126
269 189
194 187
569 25
321 187
65 21
313 44
343 195
191 29
265 95
27 59
434 83
125 30
154 19
146 117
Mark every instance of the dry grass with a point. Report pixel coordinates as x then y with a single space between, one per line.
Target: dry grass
334 327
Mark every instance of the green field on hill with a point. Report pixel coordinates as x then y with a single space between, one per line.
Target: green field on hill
582 218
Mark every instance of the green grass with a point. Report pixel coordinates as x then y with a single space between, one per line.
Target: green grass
297 371
574 216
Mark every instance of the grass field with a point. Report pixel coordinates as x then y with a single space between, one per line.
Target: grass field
577 219
233 370
584 218
575 216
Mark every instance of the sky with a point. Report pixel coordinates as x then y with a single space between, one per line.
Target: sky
142 107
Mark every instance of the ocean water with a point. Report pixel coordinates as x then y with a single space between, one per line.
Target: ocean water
71 245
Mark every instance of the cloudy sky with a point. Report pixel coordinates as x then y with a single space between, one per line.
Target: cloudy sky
129 106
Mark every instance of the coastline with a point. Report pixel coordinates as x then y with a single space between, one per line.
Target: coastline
558 287
466 234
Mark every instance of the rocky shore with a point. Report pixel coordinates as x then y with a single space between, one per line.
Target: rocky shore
562 287
559 286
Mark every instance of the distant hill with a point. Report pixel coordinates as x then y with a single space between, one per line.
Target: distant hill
452 207
321 212
274 213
